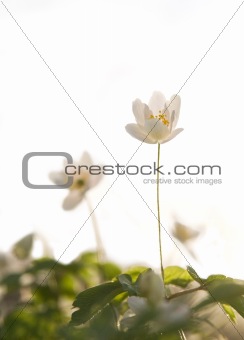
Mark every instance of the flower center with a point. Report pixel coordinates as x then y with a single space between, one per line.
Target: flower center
161 116
78 183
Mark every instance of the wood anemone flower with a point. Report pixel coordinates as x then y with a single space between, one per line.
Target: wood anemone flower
155 122
82 182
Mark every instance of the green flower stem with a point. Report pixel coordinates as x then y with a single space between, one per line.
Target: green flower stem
182 335
159 221
100 249
184 292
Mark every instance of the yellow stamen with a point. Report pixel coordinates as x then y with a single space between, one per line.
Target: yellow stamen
161 117
78 184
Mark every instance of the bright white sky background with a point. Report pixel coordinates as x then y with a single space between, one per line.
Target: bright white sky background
106 54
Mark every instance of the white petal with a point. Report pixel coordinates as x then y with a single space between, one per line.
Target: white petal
147 112
173 135
156 102
86 159
174 106
135 131
94 179
156 129
172 120
137 304
166 112
73 199
138 109
58 178
127 322
141 112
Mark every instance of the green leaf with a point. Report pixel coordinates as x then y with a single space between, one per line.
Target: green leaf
126 283
134 272
194 275
238 304
109 270
177 276
22 249
94 299
229 311
104 325
214 277
226 291
12 281
44 264
125 279
88 258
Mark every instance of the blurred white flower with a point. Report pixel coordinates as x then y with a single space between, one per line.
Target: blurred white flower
150 285
184 233
152 307
156 121
162 316
81 182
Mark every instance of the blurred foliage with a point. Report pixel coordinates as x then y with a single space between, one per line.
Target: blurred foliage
84 299
36 295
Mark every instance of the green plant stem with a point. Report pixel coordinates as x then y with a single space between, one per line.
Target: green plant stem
182 335
100 249
184 292
159 220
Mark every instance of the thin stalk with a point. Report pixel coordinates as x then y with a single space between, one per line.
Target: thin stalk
159 220
182 335
184 292
100 249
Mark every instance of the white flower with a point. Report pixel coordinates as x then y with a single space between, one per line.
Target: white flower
151 285
184 233
81 182
152 307
165 315
156 121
